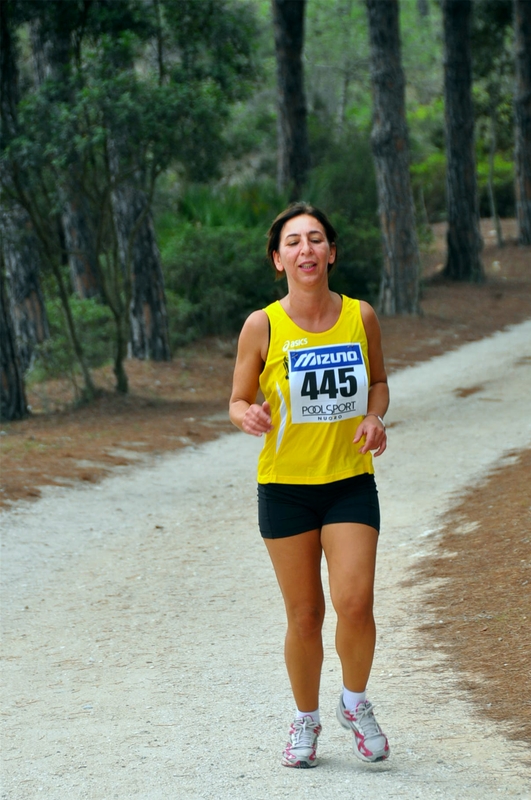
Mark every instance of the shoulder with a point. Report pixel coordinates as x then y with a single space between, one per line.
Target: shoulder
256 324
368 315
254 336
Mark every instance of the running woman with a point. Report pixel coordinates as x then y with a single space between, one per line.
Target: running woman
317 358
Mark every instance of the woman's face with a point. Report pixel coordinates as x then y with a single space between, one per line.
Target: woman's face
304 252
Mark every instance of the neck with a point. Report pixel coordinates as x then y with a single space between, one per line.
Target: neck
311 310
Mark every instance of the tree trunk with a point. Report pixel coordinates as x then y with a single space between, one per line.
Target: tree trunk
390 145
140 260
52 54
522 118
18 243
12 393
9 93
44 230
492 194
423 8
23 263
463 262
80 239
293 147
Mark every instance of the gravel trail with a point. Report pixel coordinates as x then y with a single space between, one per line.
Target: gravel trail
143 628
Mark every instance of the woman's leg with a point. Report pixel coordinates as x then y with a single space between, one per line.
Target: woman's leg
297 563
350 551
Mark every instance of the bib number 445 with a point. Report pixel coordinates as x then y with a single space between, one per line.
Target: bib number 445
333 383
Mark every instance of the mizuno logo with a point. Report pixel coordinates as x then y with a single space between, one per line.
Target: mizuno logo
331 355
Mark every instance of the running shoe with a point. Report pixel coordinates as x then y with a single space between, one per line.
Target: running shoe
370 742
301 750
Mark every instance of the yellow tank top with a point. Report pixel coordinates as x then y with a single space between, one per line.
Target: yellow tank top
317 386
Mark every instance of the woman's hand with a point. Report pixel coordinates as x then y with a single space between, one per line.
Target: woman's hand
257 419
375 436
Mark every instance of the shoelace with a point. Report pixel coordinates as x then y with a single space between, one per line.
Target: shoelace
304 731
366 720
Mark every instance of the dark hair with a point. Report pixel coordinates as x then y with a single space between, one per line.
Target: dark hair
292 211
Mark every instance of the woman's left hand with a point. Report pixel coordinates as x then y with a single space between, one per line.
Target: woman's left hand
375 435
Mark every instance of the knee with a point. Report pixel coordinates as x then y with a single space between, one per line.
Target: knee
355 609
306 621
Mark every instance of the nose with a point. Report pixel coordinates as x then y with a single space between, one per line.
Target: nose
306 245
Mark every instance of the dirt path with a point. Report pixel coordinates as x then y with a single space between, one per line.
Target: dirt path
143 627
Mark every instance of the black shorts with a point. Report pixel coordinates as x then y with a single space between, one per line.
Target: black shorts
286 509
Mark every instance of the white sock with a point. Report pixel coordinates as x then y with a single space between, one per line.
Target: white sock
313 714
351 699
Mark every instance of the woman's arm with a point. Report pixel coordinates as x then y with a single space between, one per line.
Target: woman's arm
371 427
253 344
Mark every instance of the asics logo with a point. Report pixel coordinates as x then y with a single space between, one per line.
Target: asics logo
296 343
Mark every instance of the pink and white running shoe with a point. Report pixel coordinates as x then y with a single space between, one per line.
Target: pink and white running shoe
301 750
370 742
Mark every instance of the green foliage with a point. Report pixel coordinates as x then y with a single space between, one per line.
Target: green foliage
422 52
343 183
492 38
428 181
426 129
55 357
359 262
503 178
343 180
245 206
429 178
215 277
213 250
337 62
183 324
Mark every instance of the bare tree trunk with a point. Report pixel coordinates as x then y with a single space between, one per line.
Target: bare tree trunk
23 263
80 239
18 242
390 145
492 195
14 180
12 394
140 259
522 118
293 147
463 238
342 104
51 48
423 8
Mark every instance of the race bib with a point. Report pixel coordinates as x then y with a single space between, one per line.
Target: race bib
327 383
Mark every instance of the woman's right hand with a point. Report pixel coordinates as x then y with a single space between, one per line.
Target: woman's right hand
257 419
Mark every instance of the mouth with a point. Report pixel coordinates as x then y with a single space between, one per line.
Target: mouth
307 266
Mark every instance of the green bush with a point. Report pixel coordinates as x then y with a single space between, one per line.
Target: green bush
503 187
359 263
428 179
95 327
182 323
215 277
245 206
343 181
